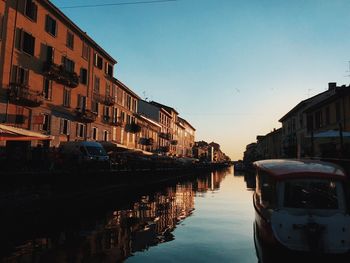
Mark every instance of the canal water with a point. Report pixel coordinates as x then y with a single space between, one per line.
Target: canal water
208 218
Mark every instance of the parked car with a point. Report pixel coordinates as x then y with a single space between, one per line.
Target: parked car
84 154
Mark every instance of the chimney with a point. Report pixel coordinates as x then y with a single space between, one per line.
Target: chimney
332 85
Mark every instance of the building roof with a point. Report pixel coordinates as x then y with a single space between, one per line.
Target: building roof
148 120
288 169
167 108
189 124
77 29
338 93
126 88
307 103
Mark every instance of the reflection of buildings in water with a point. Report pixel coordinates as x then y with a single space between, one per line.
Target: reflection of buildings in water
211 182
250 180
150 221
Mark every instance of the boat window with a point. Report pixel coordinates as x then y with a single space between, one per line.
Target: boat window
311 194
266 190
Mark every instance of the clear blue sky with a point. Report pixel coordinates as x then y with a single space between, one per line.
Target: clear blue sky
231 68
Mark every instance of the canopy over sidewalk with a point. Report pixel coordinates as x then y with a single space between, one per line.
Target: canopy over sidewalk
330 134
9 133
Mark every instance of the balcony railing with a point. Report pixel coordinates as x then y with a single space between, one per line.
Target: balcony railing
85 116
146 141
164 135
173 142
116 122
104 99
59 74
132 127
20 94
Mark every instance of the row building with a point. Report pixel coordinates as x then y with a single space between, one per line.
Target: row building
316 127
57 84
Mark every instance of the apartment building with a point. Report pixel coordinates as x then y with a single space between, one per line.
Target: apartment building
172 126
328 124
186 138
294 126
55 79
147 139
126 129
162 117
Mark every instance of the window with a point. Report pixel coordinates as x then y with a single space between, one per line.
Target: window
64 126
51 25
122 116
68 64
46 122
81 130
105 135
337 111
31 10
134 105
20 75
49 56
98 61
266 190
70 40
311 194
128 102
66 97
95 106
108 89
109 69
47 90
83 76
94 134
309 123
81 102
106 113
128 119
85 51
115 115
318 119
327 113
97 85
24 42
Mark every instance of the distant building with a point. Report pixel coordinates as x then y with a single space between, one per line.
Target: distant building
186 138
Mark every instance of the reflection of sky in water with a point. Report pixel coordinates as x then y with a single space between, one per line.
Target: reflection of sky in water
220 229
205 220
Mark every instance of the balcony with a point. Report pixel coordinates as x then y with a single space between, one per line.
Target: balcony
85 116
132 128
20 94
106 100
59 74
146 141
173 142
164 135
116 122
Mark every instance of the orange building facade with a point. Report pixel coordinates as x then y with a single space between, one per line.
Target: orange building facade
54 78
57 81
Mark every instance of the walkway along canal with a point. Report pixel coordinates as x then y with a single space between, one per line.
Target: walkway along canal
203 218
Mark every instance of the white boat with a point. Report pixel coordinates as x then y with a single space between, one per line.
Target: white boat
301 207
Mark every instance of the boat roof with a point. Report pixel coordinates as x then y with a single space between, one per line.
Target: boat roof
283 169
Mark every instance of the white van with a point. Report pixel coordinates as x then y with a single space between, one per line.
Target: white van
84 152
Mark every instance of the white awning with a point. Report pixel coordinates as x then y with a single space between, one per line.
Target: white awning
10 133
